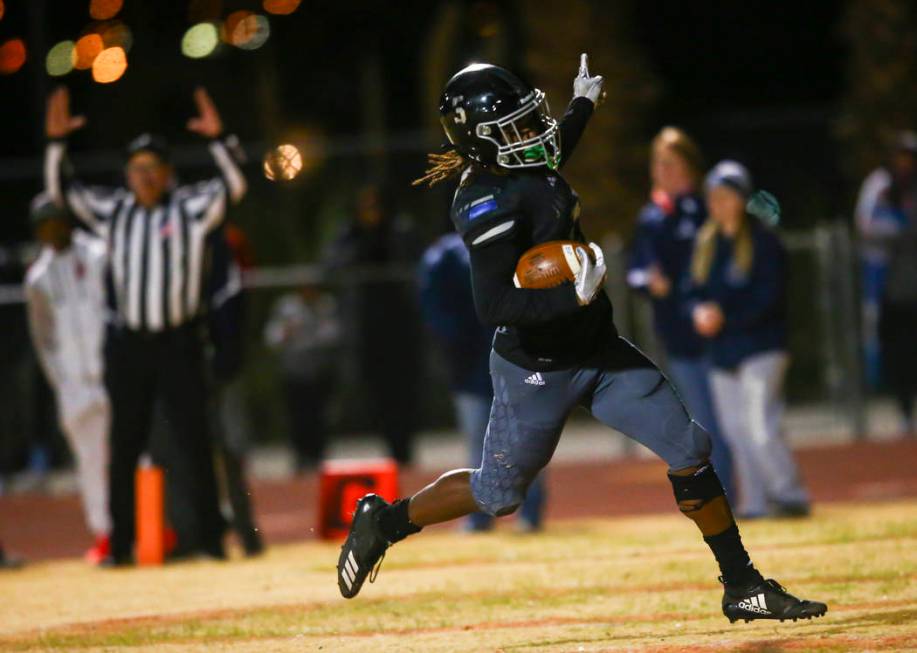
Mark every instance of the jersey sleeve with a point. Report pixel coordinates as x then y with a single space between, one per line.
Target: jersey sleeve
494 229
93 205
643 251
205 203
572 125
41 330
227 154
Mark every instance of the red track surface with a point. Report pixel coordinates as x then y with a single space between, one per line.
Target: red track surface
41 527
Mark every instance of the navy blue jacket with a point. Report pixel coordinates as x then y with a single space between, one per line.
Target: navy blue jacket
754 305
447 304
667 241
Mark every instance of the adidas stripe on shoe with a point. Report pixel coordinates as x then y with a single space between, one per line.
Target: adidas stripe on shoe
767 600
363 549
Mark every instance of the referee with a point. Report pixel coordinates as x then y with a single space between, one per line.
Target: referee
157 234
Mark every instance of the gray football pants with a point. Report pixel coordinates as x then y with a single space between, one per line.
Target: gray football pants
620 386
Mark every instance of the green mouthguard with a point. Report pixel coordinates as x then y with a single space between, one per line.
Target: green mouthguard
538 153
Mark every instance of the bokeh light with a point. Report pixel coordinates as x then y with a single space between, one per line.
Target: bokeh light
88 47
116 34
109 66
251 33
104 9
282 163
12 56
2 9
282 7
200 40
230 30
61 58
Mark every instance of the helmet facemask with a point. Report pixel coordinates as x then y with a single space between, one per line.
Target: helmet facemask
526 138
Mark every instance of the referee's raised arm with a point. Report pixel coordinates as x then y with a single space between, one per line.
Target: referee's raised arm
224 148
93 205
206 201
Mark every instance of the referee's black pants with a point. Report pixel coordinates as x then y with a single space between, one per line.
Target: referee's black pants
168 366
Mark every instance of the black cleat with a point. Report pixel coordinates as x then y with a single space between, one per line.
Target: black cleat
364 547
767 600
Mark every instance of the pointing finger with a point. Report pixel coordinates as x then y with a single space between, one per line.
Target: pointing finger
584 65
599 254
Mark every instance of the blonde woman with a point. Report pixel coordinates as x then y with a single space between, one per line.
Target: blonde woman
659 267
739 276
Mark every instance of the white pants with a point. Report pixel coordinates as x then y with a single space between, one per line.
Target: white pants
749 403
85 417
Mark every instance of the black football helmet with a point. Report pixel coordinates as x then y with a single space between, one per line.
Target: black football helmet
493 117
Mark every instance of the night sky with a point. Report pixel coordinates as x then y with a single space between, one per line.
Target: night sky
755 80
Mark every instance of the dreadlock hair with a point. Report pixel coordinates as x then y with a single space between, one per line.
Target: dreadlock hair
441 167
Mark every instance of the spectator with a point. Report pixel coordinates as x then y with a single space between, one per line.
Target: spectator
303 329
158 236
739 274
380 312
64 292
659 267
877 227
448 310
896 209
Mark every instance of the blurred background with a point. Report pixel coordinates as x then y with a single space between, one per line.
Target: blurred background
335 105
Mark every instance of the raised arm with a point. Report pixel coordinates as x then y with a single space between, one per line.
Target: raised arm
93 205
587 94
225 149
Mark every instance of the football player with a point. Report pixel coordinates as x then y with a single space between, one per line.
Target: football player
555 348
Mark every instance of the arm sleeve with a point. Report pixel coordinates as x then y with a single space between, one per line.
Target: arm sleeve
93 205
41 329
497 300
642 256
434 298
767 292
572 125
228 155
207 201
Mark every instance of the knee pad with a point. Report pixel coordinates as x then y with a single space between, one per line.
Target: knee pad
494 498
694 491
505 509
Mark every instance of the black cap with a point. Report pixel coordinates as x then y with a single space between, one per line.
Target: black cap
43 208
150 143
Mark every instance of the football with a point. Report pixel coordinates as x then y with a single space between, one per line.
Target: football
549 264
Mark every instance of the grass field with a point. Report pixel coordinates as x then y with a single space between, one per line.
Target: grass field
634 584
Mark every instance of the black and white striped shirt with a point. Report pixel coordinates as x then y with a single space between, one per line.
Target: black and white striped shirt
156 254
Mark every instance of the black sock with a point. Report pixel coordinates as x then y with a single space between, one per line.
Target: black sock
394 523
734 562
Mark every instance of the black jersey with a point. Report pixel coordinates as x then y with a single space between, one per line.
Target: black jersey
500 215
